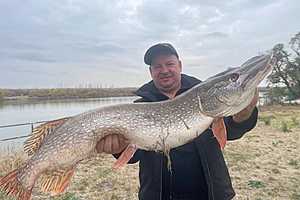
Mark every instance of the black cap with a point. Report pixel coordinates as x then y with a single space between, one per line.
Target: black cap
160 48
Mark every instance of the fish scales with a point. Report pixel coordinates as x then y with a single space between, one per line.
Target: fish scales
147 125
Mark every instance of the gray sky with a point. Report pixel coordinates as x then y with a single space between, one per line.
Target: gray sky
68 43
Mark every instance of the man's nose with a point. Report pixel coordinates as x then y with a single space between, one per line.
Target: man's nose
164 69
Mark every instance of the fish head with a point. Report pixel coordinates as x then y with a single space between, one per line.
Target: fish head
231 91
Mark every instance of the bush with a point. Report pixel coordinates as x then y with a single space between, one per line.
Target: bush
1 95
284 127
295 121
266 119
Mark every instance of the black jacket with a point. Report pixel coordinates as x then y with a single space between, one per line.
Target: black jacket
198 168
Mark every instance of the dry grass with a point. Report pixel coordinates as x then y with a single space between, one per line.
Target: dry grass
264 165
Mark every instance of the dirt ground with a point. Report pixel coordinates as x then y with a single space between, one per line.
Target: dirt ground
264 165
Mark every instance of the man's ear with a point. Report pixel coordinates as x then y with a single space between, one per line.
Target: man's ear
180 65
150 72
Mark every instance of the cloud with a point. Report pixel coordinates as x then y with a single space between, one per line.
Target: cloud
68 38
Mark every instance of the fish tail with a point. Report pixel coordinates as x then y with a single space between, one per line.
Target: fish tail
12 186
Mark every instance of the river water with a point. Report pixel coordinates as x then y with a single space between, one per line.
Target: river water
34 111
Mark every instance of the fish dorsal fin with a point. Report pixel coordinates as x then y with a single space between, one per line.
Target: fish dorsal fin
33 143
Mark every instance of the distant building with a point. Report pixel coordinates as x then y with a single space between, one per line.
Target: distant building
264 99
263 95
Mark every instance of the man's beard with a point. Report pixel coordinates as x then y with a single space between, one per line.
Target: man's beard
170 87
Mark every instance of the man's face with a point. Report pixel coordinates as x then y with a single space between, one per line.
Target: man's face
165 71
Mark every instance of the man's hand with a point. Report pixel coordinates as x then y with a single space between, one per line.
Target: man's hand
112 144
246 113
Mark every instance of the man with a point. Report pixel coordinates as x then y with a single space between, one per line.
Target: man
198 168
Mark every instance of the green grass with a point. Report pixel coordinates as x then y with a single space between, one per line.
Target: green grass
4 196
256 184
67 196
102 173
276 143
284 118
266 119
237 157
294 163
284 127
295 196
295 121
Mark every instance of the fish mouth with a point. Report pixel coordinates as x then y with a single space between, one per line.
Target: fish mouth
255 70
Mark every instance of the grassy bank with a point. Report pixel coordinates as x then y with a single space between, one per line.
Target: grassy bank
64 93
264 165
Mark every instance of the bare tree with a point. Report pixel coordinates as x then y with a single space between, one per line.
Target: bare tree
286 71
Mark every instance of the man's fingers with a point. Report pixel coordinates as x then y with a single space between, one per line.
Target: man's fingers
246 112
107 144
124 142
100 147
115 143
253 101
111 144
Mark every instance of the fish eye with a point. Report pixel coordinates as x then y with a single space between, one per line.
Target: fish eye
234 77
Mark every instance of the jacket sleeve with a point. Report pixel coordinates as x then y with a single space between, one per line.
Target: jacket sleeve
237 130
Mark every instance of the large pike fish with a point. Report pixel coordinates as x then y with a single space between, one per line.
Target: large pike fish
55 148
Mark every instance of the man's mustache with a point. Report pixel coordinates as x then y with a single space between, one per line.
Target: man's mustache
165 75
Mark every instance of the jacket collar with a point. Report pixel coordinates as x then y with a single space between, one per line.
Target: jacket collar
150 93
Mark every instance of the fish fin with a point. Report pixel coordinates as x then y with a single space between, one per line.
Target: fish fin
56 182
12 186
219 131
166 152
125 156
33 143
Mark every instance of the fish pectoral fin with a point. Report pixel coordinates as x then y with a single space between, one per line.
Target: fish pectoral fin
55 182
11 186
33 143
219 131
125 156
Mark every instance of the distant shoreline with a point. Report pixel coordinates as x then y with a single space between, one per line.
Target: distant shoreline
8 95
